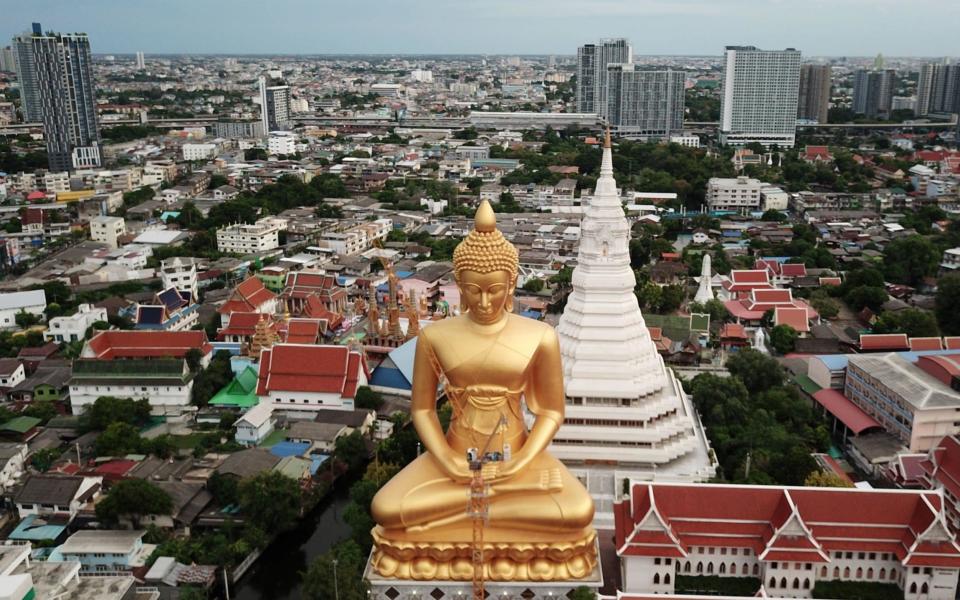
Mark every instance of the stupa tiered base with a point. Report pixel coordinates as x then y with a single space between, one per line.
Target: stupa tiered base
508 556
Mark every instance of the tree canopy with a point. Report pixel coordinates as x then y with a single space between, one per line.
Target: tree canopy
270 500
133 498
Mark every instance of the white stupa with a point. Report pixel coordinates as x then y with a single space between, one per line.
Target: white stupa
627 416
705 291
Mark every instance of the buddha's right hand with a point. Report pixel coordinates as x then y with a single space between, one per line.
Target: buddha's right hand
456 468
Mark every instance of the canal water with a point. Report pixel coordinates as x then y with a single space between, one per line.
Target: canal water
277 574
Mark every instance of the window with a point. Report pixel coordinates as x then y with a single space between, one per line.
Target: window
723 568
773 582
806 584
796 583
666 579
656 561
870 573
709 567
656 578
861 555
859 572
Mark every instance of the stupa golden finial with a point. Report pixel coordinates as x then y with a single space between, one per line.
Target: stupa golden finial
606 139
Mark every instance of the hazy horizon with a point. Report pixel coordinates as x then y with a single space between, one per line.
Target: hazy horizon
698 28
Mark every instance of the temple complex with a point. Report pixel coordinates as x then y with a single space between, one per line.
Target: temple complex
627 416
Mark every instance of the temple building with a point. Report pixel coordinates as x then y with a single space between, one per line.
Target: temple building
627 416
790 539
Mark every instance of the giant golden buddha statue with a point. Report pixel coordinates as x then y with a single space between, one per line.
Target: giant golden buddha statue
490 361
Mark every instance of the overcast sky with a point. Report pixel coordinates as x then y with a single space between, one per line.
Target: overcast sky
816 27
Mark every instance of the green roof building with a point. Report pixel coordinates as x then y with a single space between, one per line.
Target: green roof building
239 393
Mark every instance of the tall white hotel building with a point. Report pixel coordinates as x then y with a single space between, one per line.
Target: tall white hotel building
759 98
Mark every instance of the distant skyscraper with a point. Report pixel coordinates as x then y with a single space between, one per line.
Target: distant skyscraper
56 78
938 89
274 106
141 64
592 62
7 63
759 98
644 103
873 92
813 101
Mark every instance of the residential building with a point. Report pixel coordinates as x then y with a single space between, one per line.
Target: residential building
25 64
813 99
180 273
789 538
472 152
74 327
297 378
758 102
99 550
33 302
773 198
56 495
735 193
321 436
170 310
282 142
255 425
644 104
242 238
916 402
592 61
107 230
274 105
166 382
357 238
386 90
193 152
141 64
689 140
627 417
58 74
238 129
873 92
938 89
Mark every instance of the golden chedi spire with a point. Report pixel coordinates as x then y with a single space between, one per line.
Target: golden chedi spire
485 249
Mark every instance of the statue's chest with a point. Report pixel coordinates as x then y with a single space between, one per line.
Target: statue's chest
491 362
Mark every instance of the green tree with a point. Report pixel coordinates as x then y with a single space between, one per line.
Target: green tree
107 410
914 322
41 409
190 216
270 500
368 399
337 573
866 297
671 297
211 380
224 489
784 338
118 439
825 479
946 303
217 180
533 285
25 319
583 593
351 450
715 308
909 260
757 371
357 512
825 307
44 458
330 186
134 499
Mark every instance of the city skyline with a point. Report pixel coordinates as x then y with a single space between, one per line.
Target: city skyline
534 27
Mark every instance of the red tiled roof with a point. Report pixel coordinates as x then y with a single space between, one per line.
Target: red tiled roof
750 276
794 317
775 295
944 366
306 368
248 296
659 519
952 342
301 331
794 270
830 281
842 408
733 331
918 344
884 341
145 344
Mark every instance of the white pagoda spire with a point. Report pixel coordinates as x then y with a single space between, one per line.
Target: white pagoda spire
626 415
704 292
606 348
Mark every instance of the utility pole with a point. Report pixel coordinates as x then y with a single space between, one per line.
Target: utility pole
336 587
226 584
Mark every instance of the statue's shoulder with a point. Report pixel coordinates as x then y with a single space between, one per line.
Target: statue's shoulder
534 332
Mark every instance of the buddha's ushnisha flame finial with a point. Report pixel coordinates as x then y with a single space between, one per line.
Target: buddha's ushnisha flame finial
485 249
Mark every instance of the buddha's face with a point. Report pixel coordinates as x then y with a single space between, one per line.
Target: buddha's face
485 295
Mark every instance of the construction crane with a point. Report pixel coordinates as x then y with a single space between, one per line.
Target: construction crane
478 504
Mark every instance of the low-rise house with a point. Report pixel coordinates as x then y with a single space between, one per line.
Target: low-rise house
248 463
99 550
322 437
74 327
12 374
33 302
50 381
13 456
56 495
255 425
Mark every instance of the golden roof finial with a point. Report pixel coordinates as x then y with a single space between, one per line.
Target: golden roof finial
606 140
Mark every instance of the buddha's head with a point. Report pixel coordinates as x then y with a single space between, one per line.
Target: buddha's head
485 265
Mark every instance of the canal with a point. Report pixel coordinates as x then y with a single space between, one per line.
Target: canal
276 575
